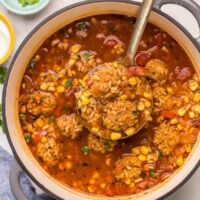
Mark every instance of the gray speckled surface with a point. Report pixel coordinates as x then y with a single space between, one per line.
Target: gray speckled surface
23 25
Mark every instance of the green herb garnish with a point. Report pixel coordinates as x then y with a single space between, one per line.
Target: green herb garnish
3 72
85 150
152 173
51 119
81 26
86 56
22 116
28 2
68 83
134 113
27 137
160 155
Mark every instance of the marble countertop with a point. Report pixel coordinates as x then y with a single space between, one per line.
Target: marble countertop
24 24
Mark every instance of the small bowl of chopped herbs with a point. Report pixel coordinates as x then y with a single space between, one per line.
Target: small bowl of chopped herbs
25 7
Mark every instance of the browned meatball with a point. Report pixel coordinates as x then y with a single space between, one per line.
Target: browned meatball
70 125
166 137
41 103
128 168
156 70
49 151
99 144
162 100
118 115
106 81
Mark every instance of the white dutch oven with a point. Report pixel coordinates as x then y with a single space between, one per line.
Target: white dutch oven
17 69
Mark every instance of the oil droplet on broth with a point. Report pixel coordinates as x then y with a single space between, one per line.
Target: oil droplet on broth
4 39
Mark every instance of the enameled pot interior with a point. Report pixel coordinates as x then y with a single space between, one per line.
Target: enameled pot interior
11 92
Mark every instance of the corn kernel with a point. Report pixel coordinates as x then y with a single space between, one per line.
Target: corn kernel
180 127
85 100
165 49
136 151
23 109
60 89
95 130
127 181
93 20
142 158
61 166
75 48
29 127
193 85
71 62
196 97
51 89
191 115
147 112
123 97
43 86
44 139
95 174
174 121
147 94
196 109
132 81
92 181
179 161
147 104
39 123
181 112
188 148
186 99
108 161
68 165
140 106
144 150
115 135
130 131
170 90
90 189
85 94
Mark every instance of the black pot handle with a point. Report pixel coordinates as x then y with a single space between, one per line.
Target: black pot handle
14 180
190 5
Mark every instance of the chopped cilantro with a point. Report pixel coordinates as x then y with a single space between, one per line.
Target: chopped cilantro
3 72
51 119
86 56
1 119
27 137
81 26
32 63
68 83
160 155
28 2
134 113
152 173
22 116
107 146
85 150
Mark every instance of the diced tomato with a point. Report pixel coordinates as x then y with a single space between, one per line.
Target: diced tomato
23 98
168 114
36 139
135 71
142 58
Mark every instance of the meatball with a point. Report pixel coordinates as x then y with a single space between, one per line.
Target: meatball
118 115
41 103
156 70
101 145
128 168
166 137
162 100
106 81
69 125
49 152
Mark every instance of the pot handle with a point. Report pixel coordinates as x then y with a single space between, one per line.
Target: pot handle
190 5
14 180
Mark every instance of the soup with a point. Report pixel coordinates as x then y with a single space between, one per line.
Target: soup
54 128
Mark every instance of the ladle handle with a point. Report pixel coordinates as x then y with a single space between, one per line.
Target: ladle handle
139 30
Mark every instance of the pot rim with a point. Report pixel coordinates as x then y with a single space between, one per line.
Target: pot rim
47 19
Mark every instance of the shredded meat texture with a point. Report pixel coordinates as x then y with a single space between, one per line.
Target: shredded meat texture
166 137
128 168
100 145
156 70
118 115
162 100
106 81
41 103
69 125
50 151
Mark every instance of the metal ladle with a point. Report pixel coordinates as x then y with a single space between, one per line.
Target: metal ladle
128 59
